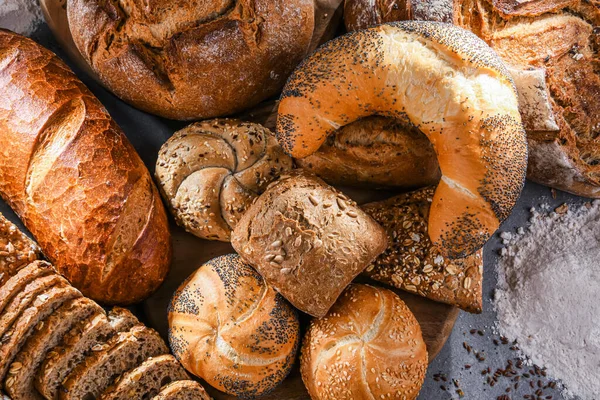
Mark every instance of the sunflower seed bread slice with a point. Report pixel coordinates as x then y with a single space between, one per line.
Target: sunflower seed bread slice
182 390
15 285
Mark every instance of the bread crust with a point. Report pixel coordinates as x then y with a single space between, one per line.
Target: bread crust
183 390
76 182
16 250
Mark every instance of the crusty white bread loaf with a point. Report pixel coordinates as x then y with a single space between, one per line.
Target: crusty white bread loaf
451 85
77 183
228 327
369 346
210 171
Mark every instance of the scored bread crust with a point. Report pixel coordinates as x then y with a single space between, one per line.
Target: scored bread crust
228 327
79 186
451 85
369 346
182 390
193 59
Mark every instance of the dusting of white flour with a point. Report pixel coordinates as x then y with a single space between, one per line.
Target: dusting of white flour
548 295
21 16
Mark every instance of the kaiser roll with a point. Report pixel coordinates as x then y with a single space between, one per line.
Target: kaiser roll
451 85
228 327
369 346
192 59
210 172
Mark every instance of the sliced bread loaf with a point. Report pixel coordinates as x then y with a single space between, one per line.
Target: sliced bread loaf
16 250
81 340
182 390
17 283
41 308
47 335
145 381
125 351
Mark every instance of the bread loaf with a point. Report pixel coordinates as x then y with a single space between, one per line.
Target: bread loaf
369 346
16 250
69 172
451 85
182 390
228 327
210 172
307 240
193 59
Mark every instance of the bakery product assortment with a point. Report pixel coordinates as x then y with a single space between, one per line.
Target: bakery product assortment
307 240
469 111
76 182
369 346
210 171
413 264
228 327
192 59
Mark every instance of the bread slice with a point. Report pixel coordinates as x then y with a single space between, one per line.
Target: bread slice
48 334
145 381
79 342
182 390
125 351
41 308
21 279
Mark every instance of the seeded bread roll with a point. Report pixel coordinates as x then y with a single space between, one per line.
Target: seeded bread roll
182 390
210 172
228 327
192 59
375 152
17 283
413 264
16 250
308 241
369 346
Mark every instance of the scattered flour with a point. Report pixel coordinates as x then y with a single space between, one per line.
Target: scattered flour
548 295
21 16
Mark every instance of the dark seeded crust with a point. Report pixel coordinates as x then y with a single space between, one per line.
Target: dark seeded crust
18 282
145 381
182 390
19 383
43 306
16 250
125 351
80 341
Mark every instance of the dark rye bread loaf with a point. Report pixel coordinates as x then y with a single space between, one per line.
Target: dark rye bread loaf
98 371
17 283
182 390
146 380
19 383
16 250
80 341
41 308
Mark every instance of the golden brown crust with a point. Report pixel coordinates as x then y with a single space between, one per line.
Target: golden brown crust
482 149
369 346
192 59
228 327
413 264
77 183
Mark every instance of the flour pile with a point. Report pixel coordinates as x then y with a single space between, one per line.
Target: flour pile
548 295
21 16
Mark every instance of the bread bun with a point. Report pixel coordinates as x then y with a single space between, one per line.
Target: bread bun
210 172
307 240
192 59
375 152
369 346
228 327
451 85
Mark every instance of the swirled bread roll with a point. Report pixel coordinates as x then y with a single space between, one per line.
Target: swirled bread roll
210 172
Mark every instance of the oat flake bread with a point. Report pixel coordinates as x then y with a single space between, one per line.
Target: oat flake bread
210 171
192 59
76 182
451 85
552 49
369 346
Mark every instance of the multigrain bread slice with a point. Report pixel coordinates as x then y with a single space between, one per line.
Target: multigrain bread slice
125 351
16 250
80 341
42 307
17 283
19 383
182 390
146 380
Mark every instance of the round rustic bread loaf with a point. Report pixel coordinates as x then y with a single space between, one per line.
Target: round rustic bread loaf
210 172
451 85
375 152
369 346
192 59
228 327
